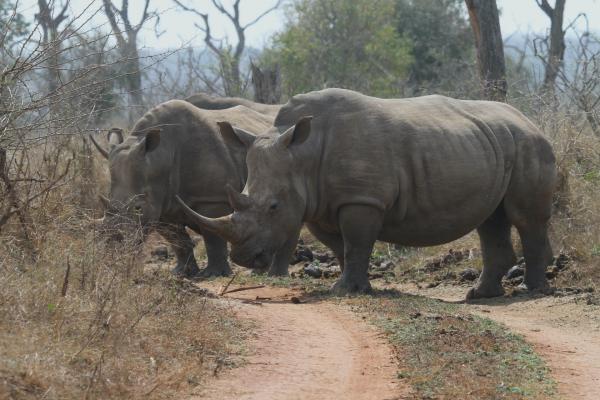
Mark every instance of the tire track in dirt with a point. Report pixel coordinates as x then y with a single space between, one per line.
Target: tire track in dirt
308 351
564 333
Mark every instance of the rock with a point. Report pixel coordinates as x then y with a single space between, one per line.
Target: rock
160 252
313 271
323 257
561 261
517 270
302 254
469 274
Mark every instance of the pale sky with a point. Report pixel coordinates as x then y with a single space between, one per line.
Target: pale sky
178 27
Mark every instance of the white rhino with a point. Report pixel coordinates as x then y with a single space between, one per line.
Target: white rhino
177 148
417 172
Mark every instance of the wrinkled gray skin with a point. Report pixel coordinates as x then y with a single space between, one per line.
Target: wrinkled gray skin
176 148
417 172
203 100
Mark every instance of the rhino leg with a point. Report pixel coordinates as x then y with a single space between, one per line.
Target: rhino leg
183 246
538 254
360 226
498 255
216 252
528 205
281 261
332 240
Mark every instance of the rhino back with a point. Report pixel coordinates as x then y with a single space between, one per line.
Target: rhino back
204 101
437 167
192 150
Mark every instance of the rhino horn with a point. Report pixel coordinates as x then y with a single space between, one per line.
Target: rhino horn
102 151
222 226
237 200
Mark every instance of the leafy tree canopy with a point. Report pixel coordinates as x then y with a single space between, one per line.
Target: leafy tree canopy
352 44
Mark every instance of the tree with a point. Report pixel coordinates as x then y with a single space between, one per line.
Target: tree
126 34
490 52
267 84
341 43
9 17
441 43
50 24
556 48
229 56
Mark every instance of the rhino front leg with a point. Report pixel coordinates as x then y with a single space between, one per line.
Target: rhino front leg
360 226
183 246
216 252
281 261
332 240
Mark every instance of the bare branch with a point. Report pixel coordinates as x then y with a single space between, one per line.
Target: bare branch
264 14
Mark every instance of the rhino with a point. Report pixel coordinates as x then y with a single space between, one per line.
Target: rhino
417 172
177 148
207 102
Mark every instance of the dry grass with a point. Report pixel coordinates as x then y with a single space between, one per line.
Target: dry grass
119 331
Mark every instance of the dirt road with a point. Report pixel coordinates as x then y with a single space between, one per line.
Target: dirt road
563 330
307 351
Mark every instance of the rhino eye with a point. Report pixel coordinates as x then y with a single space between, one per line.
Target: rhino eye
273 206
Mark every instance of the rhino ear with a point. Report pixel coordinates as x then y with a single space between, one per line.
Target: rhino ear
235 136
152 140
297 134
115 136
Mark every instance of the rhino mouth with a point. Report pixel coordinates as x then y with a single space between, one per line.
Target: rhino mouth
260 260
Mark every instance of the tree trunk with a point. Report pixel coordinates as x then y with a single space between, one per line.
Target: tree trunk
133 79
267 85
556 49
490 51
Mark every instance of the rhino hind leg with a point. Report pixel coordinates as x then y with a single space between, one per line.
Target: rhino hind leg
332 240
183 247
498 255
528 205
216 252
360 226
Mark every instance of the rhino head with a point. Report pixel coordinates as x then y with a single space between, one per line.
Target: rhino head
270 210
133 202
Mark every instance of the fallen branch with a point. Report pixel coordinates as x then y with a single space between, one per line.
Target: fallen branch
222 292
242 289
65 285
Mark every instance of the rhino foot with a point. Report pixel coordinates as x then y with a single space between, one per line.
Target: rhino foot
212 270
186 271
278 271
344 287
484 292
543 288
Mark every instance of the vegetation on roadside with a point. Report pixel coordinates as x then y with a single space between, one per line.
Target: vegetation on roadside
88 321
445 352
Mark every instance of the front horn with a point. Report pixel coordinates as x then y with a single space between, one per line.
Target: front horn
222 226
